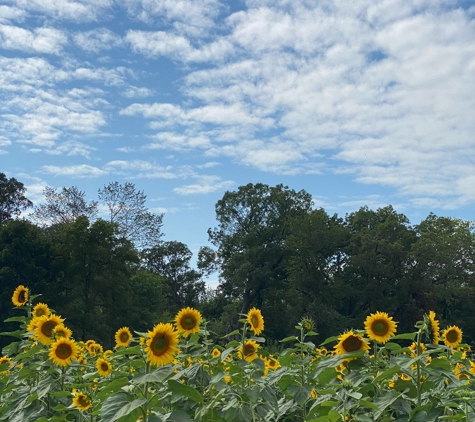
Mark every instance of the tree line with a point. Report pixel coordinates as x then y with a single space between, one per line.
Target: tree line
272 250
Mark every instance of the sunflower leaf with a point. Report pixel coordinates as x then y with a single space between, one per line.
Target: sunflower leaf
185 390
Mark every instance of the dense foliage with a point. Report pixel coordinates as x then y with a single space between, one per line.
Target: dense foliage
271 248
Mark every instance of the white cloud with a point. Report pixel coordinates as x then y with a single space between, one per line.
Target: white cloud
97 40
206 184
78 11
40 40
144 169
77 171
8 14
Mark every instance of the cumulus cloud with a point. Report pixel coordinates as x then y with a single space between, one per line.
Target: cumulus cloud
40 40
97 40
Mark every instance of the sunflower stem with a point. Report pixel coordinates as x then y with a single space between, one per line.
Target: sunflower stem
145 395
418 364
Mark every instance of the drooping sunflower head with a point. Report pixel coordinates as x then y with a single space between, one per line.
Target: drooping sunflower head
20 295
123 337
161 345
380 327
250 351
103 366
63 351
40 309
255 320
350 342
452 336
432 327
187 321
82 401
61 331
45 326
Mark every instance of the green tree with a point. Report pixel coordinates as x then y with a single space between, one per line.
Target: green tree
376 270
93 265
12 198
25 258
444 263
171 261
253 223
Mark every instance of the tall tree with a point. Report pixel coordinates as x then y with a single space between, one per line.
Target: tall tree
253 223
171 260
126 207
12 198
63 206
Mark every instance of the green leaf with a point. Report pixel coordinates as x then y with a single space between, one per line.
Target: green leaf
334 416
300 394
15 319
179 416
329 340
117 406
185 390
387 373
291 338
159 375
408 336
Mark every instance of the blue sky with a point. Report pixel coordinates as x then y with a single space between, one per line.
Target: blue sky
359 103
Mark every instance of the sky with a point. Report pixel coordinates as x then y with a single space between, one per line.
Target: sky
357 102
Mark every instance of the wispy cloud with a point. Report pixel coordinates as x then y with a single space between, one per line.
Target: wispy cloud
75 171
40 40
205 184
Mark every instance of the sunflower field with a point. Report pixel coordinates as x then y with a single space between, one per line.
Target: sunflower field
179 371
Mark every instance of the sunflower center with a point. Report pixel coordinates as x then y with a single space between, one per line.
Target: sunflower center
124 337
352 344
380 328
452 336
104 366
188 322
22 296
64 351
159 345
254 321
47 328
40 312
83 400
249 350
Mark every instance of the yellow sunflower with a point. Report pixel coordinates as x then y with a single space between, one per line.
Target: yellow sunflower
82 401
103 366
380 327
93 348
123 336
63 351
187 321
216 353
255 320
20 295
434 328
350 342
452 336
61 331
272 363
32 325
161 344
45 326
250 351
40 309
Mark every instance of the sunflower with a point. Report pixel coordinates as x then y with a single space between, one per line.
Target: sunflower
32 325
216 353
255 320
161 344
272 363
61 331
187 321
433 326
250 351
123 336
44 328
350 342
380 327
40 309
452 336
20 295
63 350
82 401
93 348
104 367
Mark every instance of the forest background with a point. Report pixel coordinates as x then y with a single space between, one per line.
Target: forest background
272 250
